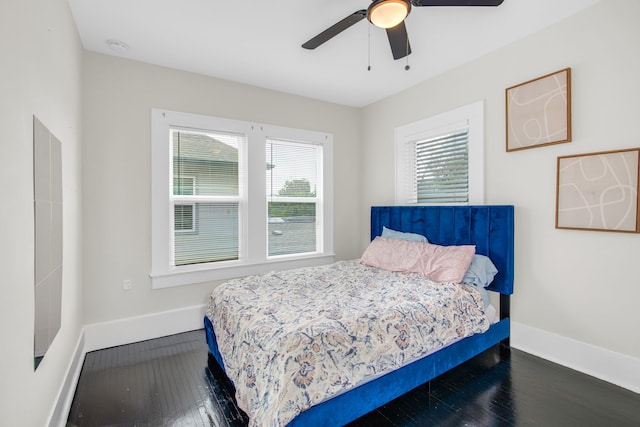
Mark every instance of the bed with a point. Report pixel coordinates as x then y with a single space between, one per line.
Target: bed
490 230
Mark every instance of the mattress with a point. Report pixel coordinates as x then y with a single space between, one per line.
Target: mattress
290 340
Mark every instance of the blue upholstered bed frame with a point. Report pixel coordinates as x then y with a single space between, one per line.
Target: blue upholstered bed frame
491 229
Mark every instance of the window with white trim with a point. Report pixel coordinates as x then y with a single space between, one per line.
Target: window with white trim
233 198
440 159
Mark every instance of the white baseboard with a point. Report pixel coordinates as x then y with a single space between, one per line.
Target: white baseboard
140 328
58 417
615 368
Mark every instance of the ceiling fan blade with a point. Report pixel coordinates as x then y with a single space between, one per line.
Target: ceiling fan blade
335 29
399 41
456 2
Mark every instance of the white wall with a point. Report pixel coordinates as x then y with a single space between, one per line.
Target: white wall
118 95
580 285
40 75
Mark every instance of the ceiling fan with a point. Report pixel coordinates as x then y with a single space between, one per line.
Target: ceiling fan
390 15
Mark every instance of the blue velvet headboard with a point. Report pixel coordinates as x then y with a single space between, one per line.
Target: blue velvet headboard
488 227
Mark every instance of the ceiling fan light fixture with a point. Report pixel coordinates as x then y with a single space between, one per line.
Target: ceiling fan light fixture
388 13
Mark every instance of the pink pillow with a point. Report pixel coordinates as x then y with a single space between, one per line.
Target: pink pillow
437 263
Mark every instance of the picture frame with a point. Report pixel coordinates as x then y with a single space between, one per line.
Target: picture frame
599 191
538 112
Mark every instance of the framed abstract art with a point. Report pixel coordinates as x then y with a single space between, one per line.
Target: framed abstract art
599 191
539 111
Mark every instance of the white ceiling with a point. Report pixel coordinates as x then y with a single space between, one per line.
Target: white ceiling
259 42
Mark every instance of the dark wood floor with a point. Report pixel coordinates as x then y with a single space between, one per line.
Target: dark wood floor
167 382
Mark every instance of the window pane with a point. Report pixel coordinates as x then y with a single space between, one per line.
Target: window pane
210 159
205 164
292 175
292 228
215 238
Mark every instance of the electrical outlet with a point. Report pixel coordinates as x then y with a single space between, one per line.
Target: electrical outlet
126 285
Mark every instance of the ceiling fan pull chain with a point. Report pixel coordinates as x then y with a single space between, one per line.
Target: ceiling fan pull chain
406 67
369 48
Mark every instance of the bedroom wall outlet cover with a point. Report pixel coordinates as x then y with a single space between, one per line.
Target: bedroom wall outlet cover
126 285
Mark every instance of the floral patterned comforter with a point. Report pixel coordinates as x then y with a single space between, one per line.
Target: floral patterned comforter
291 339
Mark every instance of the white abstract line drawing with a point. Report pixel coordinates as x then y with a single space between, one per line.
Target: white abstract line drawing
598 191
538 111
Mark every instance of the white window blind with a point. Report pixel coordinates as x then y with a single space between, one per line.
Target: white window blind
293 193
205 196
442 168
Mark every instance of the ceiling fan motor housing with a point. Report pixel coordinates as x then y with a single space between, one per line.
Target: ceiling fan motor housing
388 13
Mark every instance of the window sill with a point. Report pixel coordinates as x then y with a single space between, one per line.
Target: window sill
207 274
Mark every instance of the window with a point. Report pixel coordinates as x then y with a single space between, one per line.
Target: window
232 198
440 160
